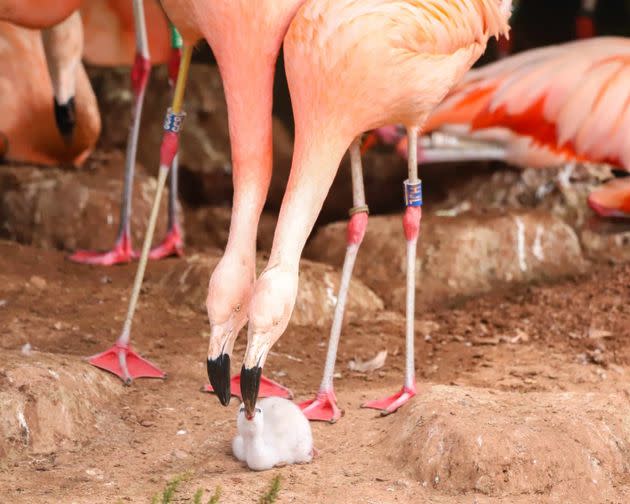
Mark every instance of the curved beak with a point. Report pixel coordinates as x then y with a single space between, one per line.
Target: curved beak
65 117
612 199
258 347
219 375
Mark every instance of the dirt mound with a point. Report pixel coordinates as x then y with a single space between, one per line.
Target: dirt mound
53 208
457 256
571 447
187 282
50 402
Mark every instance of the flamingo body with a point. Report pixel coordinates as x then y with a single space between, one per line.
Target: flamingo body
572 100
353 66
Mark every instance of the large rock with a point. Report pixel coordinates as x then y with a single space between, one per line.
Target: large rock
50 402
563 447
562 192
55 208
457 256
187 282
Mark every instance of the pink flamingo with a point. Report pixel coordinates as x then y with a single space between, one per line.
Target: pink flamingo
112 43
107 38
35 126
545 107
245 37
353 66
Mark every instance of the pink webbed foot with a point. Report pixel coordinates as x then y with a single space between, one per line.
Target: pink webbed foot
122 361
392 403
120 254
268 388
323 408
173 245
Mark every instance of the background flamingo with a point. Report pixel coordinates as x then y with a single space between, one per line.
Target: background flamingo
545 107
30 126
353 66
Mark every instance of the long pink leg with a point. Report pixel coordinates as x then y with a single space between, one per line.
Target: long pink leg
173 243
324 406
411 224
123 251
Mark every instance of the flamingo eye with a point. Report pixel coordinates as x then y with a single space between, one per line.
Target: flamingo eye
237 308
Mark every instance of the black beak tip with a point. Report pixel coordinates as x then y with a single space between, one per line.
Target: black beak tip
65 117
250 382
219 375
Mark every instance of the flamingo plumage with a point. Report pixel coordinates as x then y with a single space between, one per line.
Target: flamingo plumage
545 107
353 66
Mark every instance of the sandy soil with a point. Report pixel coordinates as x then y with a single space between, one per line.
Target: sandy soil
523 397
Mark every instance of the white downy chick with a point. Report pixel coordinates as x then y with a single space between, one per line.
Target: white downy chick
279 434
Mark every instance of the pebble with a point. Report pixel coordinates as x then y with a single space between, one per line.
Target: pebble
37 282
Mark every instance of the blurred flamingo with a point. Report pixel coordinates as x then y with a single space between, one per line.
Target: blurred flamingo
38 98
545 107
353 66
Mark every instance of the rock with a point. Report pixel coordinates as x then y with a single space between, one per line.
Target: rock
457 257
50 403
567 447
53 208
187 283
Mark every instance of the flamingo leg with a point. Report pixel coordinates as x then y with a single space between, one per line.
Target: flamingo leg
120 359
173 243
411 225
123 251
324 406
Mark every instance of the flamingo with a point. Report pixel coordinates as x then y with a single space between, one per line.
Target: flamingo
110 29
38 98
352 66
544 107
245 37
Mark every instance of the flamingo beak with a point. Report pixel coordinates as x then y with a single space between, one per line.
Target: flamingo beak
250 382
65 117
219 374
258 348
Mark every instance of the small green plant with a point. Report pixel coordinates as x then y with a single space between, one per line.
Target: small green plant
213 500
169 491
271 495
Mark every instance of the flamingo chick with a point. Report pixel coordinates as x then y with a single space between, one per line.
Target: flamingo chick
245 37
353 66
278 435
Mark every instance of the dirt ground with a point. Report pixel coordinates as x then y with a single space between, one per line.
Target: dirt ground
524 396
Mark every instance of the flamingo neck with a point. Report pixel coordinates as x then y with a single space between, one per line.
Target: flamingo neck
316 159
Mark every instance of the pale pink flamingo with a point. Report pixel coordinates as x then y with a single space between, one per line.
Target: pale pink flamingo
541 108
245 37
353 66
